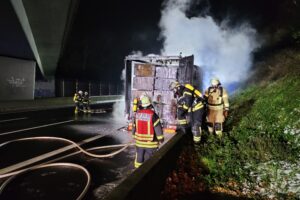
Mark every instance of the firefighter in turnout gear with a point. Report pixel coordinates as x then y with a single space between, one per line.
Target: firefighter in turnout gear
78 98
190 102
86 102
217 107
147 131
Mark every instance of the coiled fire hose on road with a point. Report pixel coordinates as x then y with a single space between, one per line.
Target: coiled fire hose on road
11 170
84 170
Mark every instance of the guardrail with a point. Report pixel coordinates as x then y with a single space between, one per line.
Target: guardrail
50 103
148 181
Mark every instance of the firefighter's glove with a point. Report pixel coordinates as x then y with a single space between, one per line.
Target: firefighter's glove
181 129
182 101
225 113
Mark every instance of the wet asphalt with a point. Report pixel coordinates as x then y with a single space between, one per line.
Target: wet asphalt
105 173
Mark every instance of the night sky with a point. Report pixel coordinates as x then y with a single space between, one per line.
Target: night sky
104 32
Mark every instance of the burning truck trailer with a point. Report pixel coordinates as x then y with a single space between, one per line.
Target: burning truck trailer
152 75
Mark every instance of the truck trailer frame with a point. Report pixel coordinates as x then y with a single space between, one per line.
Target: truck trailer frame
151 75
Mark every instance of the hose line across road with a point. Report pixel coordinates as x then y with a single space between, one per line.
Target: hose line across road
93 140
11 170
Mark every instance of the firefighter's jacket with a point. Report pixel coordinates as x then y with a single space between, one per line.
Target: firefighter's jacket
217 98
86 99
147 129
190 98
77 98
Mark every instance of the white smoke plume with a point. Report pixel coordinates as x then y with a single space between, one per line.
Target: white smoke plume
221 51
135 53
119 107
140 53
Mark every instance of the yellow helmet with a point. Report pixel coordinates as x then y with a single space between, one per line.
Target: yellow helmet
214 81
173 85
145 101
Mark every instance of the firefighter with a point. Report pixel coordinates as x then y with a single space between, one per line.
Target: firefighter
78 98
190 102
86 102
147 131
217 107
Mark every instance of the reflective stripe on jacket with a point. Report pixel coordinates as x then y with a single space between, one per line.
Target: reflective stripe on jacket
144 125
141 127
195 99
77 97
217 98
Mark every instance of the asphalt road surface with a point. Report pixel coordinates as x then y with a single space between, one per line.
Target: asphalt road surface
45 130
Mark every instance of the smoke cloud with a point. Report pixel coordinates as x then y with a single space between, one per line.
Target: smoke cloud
118 113
219 50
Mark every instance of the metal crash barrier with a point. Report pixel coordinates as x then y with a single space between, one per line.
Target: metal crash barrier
148 180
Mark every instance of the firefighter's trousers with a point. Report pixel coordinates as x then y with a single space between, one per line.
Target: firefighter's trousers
196 123
143 154
86 106
215 119
182 114
78 106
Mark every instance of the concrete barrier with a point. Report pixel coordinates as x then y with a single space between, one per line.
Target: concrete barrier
51 103
148 181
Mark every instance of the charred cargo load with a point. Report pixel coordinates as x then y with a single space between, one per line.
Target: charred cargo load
152 75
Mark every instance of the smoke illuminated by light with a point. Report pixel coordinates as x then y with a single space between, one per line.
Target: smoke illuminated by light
118 107
221 51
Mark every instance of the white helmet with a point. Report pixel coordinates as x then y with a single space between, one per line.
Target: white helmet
80 92
86 93
215 81
145 101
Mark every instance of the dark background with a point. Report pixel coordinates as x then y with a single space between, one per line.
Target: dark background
104 32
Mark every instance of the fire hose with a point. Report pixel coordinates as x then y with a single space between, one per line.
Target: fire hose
84 170
11 170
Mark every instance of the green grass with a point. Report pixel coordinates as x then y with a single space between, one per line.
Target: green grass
263 127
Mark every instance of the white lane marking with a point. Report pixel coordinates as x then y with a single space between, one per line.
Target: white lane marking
15 119
36 127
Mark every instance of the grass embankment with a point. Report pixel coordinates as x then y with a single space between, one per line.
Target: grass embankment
260 151
259 154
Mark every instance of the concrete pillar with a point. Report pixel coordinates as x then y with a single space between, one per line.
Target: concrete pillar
90 88
63 88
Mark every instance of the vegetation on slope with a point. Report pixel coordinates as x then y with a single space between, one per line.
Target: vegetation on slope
259 154
260 151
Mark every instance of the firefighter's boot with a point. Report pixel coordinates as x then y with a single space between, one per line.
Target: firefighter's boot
197 132
76 110
182 128
210 128
218 128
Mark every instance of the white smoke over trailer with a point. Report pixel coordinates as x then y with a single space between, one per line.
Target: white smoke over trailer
221 51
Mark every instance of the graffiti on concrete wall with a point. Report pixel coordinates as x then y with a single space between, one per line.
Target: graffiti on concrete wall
15 82
17 79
